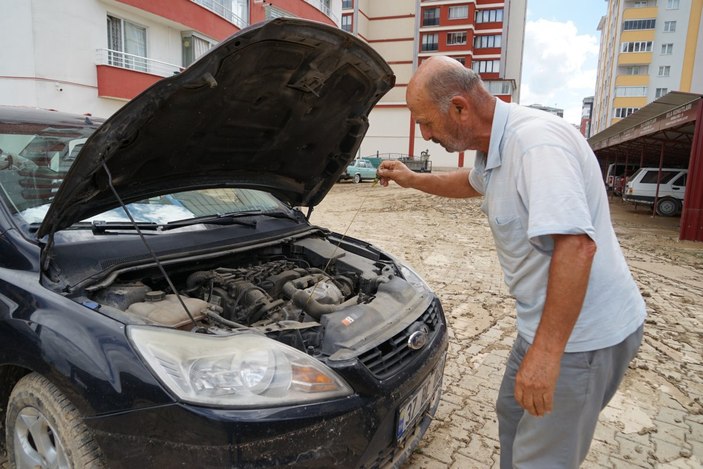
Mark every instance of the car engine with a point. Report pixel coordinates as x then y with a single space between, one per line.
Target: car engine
310 294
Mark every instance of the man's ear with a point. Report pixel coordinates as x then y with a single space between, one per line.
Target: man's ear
459 107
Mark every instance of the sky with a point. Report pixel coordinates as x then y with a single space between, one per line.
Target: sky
561 54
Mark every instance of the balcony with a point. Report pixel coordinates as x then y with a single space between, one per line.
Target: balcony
120 59
222 11
324 7
123 76
634 58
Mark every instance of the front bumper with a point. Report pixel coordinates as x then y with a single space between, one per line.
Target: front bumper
354 432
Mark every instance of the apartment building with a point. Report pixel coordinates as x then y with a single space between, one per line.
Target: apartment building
647 49
485 35
586 113
91 56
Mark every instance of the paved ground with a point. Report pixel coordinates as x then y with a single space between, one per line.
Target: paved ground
656 418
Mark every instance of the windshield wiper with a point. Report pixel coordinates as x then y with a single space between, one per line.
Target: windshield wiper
220 219
99 226
229 219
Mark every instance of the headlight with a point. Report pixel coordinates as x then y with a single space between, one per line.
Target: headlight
239 370
413 278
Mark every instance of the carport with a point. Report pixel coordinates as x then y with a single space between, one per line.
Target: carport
666 132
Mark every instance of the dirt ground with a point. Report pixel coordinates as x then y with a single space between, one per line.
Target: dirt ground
655 419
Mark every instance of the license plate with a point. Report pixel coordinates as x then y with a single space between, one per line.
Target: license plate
418 403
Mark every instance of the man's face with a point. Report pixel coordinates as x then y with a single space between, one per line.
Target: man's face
435 125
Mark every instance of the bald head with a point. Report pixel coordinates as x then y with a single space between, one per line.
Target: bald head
440 78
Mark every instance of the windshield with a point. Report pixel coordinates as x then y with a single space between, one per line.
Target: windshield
35 157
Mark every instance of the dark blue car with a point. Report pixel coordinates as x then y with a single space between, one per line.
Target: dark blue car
164 302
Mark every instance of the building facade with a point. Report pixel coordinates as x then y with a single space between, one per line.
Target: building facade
485 35
647 49
586 113
92 56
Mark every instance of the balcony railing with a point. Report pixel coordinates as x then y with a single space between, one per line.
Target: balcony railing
324 8
137 63
223 11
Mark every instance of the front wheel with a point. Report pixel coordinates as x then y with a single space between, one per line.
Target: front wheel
357 178
667 207
44 430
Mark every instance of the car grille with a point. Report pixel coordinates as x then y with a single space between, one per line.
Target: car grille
389 357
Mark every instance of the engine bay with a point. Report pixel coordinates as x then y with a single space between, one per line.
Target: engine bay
313 294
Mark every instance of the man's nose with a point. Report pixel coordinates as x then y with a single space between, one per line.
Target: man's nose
426 134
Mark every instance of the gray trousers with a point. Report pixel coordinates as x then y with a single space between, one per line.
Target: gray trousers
560 440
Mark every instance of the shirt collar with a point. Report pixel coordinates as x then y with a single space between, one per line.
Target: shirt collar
500 119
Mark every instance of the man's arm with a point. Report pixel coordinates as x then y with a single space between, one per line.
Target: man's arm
450 184
569 271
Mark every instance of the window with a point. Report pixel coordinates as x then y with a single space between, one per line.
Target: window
429 42
489 16
639 46
126 43
486 66
667 49
347 4
454 39
629 91
661 92
498 87
640 3
194 47
669 26
664 70
347 23
680 181
430 17
623 112
461 60
456 13
638 24
672 4
634 70
652 176
483 42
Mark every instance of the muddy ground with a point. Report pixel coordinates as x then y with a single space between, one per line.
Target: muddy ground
655 419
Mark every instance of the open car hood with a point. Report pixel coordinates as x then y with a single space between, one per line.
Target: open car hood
281 106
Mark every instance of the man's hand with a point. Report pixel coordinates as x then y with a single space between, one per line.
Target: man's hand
536 381
393 170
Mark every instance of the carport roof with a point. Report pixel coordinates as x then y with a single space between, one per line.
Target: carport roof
669 120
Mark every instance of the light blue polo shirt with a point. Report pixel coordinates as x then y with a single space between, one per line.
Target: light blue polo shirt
540 178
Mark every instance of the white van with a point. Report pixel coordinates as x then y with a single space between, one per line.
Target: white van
642 188
617 175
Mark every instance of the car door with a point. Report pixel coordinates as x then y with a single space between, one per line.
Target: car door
678 186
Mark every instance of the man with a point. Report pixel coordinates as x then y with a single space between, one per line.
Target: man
579 311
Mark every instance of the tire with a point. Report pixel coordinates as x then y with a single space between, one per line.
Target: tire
668 207
44 430
357 178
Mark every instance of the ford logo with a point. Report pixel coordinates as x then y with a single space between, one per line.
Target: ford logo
418 339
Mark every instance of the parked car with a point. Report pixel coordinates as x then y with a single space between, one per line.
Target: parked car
642 188
616 176
359 170
170 305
